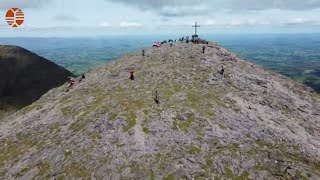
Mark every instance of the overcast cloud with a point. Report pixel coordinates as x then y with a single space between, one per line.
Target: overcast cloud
88 17
22 4
200 7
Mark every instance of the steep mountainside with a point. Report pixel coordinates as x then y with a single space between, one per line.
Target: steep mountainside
250 124
25 77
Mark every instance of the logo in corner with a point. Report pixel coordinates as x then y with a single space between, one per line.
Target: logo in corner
15 17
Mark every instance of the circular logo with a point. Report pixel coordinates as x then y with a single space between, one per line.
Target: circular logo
15 17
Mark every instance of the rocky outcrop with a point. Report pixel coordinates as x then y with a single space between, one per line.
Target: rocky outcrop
250 123
25 77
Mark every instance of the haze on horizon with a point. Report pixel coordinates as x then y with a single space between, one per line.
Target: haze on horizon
73 18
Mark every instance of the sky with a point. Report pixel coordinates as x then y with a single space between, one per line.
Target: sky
74 18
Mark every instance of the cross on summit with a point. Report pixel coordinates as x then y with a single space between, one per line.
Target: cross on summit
196 27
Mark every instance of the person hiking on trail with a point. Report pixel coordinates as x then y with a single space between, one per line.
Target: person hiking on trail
222 71
71 82
203 49
143 52
82 78
156 98
132 74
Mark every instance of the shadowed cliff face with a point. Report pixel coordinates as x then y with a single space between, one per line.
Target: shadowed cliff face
251 123
25 77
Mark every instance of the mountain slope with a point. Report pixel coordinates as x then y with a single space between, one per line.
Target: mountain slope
25 77
252 123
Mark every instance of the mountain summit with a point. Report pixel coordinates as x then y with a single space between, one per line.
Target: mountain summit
245 123
25 77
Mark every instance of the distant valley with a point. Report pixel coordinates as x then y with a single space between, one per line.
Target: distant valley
294 55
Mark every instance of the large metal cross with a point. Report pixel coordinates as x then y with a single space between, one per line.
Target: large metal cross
196 27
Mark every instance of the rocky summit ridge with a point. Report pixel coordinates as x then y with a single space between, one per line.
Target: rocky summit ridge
250 124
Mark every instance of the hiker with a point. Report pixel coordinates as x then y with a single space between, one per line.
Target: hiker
171 44
132 74
157 44
71 82
203 49
143 52
222 71
156 98
82 78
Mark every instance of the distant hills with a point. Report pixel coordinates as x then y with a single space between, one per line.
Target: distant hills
25 77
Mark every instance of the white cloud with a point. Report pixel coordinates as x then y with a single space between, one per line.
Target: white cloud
65 17
22 4
210 22
105 24
236 22
130 25
301 21
174 8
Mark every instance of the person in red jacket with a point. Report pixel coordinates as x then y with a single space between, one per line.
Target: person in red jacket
132 74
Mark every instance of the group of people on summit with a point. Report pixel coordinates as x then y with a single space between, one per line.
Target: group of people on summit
195 39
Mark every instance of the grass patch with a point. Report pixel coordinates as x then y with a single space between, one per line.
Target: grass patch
120 145
43 168
300 176
23 172
76 170
168 177
194 150
3 173
146 130
222 126
84 114
113 116
120 169
108 171
228 171
176 87
134 166
55 128
78 126
234 148
244 175
221 104
152 175
67 154
95 136
260 143
198 131
11 150
66 111
31 107
131 120
169 93
183 124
